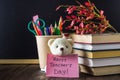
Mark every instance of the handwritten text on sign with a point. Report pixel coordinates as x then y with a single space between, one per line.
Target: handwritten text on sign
62 66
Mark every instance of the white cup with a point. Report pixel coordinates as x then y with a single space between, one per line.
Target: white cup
43 49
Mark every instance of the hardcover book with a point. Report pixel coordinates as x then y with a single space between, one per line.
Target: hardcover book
97 47
97 54
96 38
93 62
99 71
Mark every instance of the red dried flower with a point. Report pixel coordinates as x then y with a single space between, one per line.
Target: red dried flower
101 12
81 25
88 4
85 19
70 9
73 16
68 17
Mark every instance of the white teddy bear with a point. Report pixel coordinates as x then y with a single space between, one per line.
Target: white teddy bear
60 46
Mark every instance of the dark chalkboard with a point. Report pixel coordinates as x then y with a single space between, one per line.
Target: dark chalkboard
16 42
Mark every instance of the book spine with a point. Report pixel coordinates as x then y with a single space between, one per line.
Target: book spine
97 54
99 62
99 38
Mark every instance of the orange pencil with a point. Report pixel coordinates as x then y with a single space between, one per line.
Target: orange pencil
38 32
60 24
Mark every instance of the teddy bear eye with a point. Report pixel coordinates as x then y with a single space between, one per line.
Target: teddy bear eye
56 46
66 46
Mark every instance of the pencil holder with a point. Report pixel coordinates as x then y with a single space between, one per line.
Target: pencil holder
43 49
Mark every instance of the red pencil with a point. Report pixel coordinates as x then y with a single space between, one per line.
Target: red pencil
38 32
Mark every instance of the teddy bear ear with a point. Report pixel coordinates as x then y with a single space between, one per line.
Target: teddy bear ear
70 41
50 42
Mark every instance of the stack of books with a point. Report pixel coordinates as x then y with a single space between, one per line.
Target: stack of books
99 54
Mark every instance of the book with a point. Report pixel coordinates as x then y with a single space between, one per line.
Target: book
94 62
99 71
96 38
97 54
97 47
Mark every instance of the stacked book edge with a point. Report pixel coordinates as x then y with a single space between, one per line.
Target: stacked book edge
99 54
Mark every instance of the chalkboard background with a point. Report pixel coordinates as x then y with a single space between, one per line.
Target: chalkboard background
16 42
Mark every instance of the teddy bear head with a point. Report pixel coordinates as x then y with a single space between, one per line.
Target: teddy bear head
60 46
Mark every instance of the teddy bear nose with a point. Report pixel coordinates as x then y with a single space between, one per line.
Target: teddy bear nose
61 49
